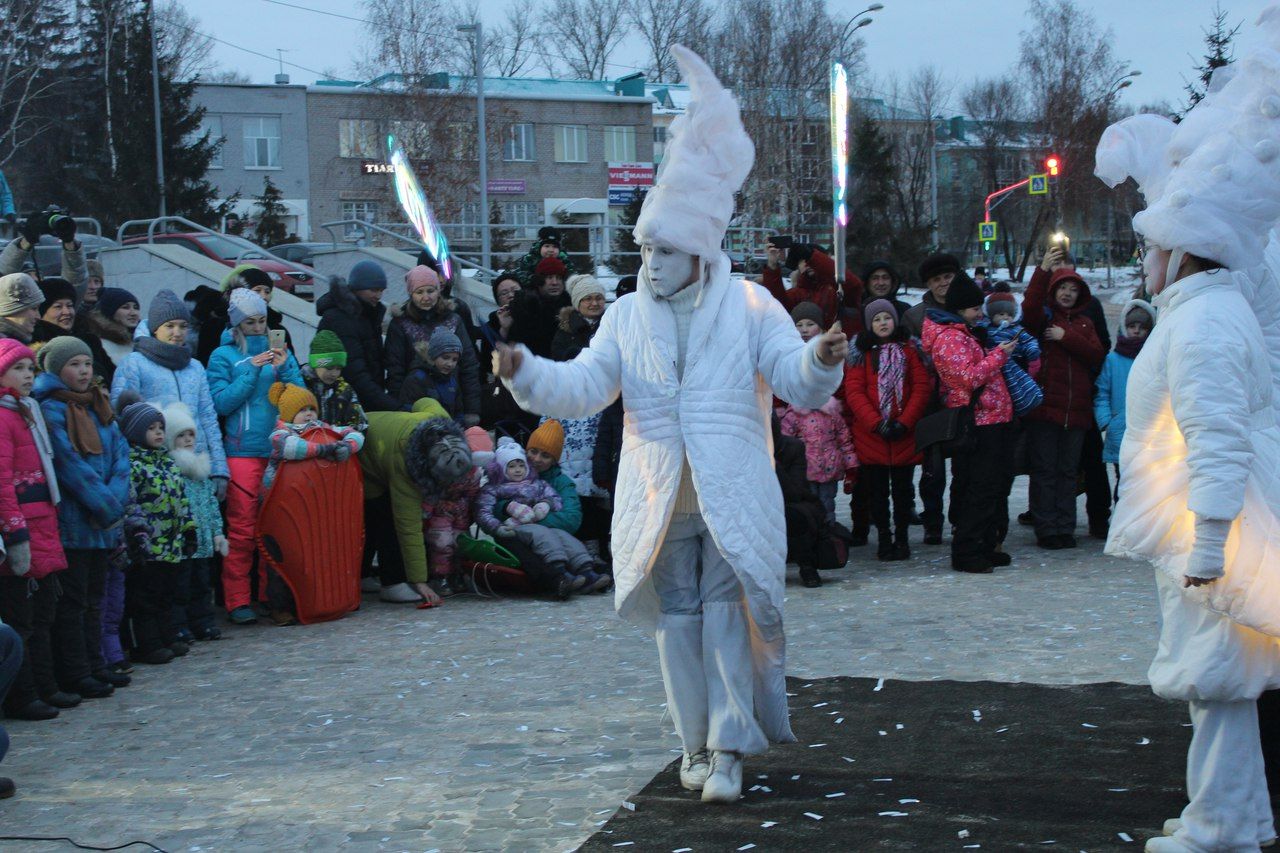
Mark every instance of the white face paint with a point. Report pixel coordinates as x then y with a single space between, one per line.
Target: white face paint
669 269
1155 265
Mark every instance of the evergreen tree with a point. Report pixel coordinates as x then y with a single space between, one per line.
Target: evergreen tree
576 243
1218 54
624 241
500 239
871 180
270 229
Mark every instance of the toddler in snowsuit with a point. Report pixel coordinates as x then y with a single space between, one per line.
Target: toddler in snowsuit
151 584
435 373
1113 382
339 405
1002 315
193 586
828 448
442 520
530 499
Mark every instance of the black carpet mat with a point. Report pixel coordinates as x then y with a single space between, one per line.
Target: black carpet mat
944 765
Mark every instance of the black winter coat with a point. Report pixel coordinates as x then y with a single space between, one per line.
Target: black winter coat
536 321
359 326
573 336
407 337
608 451
211 316
80 328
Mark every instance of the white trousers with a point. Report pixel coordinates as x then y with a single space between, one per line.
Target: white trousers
704 642
1229 808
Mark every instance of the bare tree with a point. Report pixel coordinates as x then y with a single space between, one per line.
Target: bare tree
407 37
995 106
584 33
31 36
513 45
228 75
182 42
663 23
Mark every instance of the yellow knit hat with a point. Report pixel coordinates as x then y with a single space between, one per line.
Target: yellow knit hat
291 399
549 438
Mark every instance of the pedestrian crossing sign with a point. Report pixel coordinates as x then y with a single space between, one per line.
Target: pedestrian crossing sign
1039 185
986 231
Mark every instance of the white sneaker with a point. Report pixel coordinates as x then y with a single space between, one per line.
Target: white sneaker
1165 844
370 585
724 784
694 769
1173 824
399 593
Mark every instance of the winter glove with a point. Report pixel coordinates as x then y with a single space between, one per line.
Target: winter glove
63 227
897 430
505 530
1208 555
541 510
11 218
882 428
190 543
30 229
468 421
341 451
20 558
522 513
220 488
221 545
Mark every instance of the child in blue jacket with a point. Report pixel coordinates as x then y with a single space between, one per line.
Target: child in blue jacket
241 373
1113 381
1002 324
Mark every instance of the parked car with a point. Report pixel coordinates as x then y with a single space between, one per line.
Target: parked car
231 251
299 253
48 253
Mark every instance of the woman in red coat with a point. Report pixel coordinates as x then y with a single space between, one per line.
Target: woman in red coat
887 391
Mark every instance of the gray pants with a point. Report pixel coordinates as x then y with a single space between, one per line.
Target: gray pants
555 546
1053 455
704 642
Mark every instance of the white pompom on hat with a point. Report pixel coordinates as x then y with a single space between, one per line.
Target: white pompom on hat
708 157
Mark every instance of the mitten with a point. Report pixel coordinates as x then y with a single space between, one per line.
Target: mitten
190 542
341 451
221 545
63 227
20 558
1208 555
506 529
30 229
541 510
220 488
520 512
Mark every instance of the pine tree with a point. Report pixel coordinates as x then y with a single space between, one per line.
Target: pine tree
576 242
270 229
624 241
1218 54
500 239
871 179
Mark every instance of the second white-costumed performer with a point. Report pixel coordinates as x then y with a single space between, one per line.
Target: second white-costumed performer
1200 462
699 537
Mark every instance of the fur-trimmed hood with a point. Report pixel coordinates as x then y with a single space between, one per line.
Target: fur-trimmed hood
443 306
106 328
572 321
194 464
416 463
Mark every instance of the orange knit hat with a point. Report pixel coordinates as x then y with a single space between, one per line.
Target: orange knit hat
549 438
291 399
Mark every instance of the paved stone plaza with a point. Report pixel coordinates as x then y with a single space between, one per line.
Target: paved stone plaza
516 724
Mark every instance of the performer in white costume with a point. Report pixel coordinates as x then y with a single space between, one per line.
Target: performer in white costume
699 537
1200 462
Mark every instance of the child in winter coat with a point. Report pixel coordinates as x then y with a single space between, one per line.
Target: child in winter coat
1113 381
828 448
29 531
241 373
158 485
448 514
193 583
91 459
1056 312
1001 322
529 501
339 405
299 435
434 373
888 390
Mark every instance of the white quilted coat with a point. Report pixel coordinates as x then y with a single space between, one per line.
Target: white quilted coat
1202 438
742 348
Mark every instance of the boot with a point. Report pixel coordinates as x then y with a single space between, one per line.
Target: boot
901 548
884 553
60 699
91 688
809 577
34 710
932 534
724 784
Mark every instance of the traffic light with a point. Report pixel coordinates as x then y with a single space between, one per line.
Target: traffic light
986 246
1051 164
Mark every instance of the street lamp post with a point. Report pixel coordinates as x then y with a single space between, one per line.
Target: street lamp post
477 29
155 106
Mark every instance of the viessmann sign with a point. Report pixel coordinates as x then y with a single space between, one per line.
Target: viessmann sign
630 174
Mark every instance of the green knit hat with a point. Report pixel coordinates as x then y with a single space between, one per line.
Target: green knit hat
327 350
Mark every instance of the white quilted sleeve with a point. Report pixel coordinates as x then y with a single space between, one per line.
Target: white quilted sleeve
571 389
788 364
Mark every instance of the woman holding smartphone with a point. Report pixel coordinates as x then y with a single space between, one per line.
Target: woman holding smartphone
241 372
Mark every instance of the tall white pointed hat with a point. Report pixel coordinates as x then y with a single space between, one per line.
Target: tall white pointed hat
708 157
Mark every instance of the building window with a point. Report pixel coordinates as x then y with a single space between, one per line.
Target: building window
358 139
519 143
413 136
526 215
659 143
468 218
261 142
462 140
571 143
210 130
620 144
365 211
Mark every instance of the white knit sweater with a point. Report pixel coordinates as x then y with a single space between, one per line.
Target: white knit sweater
682 303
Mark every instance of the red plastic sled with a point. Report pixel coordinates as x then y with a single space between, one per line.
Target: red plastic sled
492 579
311 531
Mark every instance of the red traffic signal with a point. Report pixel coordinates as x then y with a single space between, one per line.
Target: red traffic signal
1051 163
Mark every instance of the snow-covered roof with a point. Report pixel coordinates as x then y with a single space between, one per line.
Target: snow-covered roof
512 88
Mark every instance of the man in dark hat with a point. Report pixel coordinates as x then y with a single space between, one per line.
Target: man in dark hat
546 246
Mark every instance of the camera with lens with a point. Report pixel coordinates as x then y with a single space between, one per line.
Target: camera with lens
52 220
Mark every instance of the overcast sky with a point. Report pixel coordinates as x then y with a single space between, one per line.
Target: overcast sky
965 38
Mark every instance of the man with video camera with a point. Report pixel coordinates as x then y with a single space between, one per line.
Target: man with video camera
52 220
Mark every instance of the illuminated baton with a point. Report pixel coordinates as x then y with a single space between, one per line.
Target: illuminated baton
414 203
839 165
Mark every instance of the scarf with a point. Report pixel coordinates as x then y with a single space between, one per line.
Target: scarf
1129 347
11 330
170 356
889 379
193 464
30 411
81 429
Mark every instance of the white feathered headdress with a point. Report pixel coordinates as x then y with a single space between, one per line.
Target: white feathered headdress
706 161
1213 188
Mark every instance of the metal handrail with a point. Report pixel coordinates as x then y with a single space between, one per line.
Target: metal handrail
462 262
90 221
195 226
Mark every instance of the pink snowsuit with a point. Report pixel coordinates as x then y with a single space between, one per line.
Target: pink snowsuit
828 446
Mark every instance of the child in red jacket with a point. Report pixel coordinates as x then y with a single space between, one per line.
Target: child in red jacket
1072 356
888 390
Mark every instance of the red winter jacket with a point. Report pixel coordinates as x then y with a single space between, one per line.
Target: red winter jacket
1068 366
963 368
27 512
817 285
862 396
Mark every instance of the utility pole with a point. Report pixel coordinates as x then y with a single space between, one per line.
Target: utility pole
483 147
155 105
